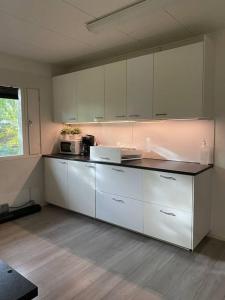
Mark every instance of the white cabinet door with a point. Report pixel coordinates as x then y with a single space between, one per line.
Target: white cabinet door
168 224
178 82
115 91
121 211
140 87
64 98
169 189
56 189
119 181
81 187
90 94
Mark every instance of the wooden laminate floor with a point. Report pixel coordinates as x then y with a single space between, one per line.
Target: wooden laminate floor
70 256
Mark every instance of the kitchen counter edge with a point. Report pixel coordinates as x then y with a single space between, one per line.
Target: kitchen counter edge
185 168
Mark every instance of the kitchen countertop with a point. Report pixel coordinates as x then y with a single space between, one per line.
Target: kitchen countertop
185 168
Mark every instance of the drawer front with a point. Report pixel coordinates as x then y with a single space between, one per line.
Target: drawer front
121 211
173 190
119 181
105 154
171 225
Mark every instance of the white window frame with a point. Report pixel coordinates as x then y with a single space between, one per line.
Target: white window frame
24 120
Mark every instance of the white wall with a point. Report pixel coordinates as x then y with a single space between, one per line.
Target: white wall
218 196
21 179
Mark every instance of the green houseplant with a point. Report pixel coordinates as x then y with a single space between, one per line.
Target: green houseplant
70 133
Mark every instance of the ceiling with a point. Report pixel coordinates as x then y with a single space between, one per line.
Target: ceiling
54 31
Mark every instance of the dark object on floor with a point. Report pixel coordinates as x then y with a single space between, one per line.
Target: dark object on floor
17 212
14 286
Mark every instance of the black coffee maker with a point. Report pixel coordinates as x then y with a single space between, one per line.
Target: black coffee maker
87 141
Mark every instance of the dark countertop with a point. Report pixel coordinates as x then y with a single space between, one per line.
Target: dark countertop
185 168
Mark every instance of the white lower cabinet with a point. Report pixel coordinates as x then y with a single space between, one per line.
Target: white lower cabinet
168 224
56 172
171 207
121 211
81 187
70 184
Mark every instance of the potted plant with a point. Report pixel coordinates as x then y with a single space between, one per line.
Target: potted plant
75 132
65 133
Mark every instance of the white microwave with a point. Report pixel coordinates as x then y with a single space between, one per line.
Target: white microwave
70 147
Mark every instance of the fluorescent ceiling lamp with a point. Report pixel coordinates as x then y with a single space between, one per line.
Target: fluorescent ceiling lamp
117 18
112 19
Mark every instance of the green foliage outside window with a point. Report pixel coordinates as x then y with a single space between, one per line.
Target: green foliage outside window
10 127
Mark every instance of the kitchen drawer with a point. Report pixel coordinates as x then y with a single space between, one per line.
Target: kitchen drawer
119 181
168 224
121 211
169 189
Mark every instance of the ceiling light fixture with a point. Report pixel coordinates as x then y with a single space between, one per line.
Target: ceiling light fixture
113 18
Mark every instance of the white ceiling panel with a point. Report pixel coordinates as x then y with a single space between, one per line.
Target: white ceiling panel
55 30
151 25
50 14
200 16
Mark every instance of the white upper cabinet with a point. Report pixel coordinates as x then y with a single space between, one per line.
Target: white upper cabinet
178 82
140 87
64 95
170 84
115 91
90 94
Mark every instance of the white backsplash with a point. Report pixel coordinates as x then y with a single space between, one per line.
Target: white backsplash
171 140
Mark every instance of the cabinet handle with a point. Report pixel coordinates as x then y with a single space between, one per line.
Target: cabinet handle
91 167
118 170
161 114
118 200
62 162
168 177
134 116
121 116
167 213
72 119
105 158
99 117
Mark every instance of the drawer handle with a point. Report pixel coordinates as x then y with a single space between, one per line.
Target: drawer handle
72 119
99 117
121 116
168 177
118 200
91 167
161 114
62 162
105 158
134 116
118 170
167 213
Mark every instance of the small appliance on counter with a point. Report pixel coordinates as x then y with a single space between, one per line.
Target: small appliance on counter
114 154
87 141
70 147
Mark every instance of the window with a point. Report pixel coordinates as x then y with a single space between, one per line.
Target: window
11 133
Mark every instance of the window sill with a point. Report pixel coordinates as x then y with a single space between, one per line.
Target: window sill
18 157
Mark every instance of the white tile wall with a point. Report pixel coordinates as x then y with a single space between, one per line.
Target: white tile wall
172 140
